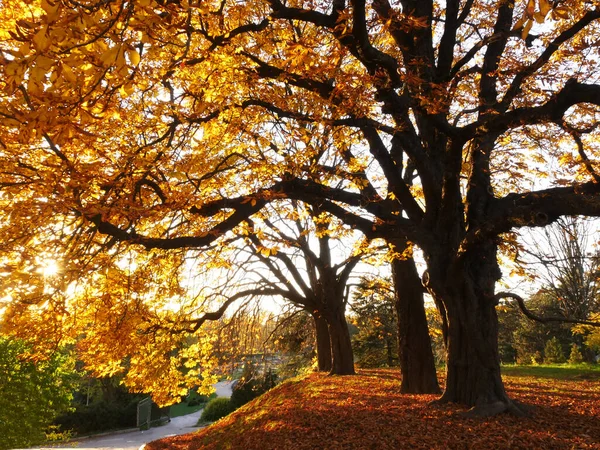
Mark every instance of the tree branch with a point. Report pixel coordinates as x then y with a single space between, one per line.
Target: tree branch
569 33
532 316
553 110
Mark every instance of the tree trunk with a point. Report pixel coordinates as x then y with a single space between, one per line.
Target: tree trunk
473 363
323 343
341 346
389 353
417 364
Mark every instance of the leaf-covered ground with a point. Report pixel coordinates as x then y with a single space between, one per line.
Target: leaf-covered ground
367 412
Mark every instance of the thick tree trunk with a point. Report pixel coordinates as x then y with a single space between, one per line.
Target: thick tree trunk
323 343
473 363
417 364
341 346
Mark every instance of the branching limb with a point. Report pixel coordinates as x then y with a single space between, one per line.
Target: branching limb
535 317
581 150
552 48
553 110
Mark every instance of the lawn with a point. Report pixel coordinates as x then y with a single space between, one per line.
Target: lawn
367 412
183 409
558 371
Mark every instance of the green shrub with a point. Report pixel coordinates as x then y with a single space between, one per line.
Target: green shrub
216 408
575 357
101 416
553 352
32 393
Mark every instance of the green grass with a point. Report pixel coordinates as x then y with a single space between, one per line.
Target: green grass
556 371
182 409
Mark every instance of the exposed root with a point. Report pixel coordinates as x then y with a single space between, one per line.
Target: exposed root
443 400
483 411
487 410
493 409
526 410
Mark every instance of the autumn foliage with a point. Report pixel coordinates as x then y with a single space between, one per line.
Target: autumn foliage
137 136
367 412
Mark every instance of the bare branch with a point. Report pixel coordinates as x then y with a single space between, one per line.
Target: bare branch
532 316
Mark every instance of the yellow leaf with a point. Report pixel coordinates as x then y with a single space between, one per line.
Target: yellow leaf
44 62
12 68
120 59
520 23
34 87
37 74
40 40
52 10
134 57
526 28
126 90
560 12
545 7
108 57
68 74
539 17
253 202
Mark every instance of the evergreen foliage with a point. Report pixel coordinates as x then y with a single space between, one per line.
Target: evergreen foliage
553 352
575 357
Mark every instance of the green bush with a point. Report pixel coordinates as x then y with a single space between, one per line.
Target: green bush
553 352
101 416
575 357
216 408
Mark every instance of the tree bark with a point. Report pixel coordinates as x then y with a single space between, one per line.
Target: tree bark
417 364
341 345
466 291
324 357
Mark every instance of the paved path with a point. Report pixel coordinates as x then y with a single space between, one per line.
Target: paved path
133 440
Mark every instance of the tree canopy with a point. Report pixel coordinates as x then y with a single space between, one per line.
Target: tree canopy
157 126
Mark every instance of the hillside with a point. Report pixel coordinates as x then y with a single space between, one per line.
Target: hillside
367 412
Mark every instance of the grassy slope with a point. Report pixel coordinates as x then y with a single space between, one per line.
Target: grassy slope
367 412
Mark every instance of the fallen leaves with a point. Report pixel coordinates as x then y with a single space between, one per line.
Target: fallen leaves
368 412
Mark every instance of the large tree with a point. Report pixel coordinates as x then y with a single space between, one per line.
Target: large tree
165 124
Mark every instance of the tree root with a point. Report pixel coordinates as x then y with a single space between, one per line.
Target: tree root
486 410
493 409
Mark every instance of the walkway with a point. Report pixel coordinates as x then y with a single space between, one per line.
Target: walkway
133 440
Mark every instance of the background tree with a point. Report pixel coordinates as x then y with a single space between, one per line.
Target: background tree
376 341
295 337
553 352
300 256
561 260
32 393
524 340
565 264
